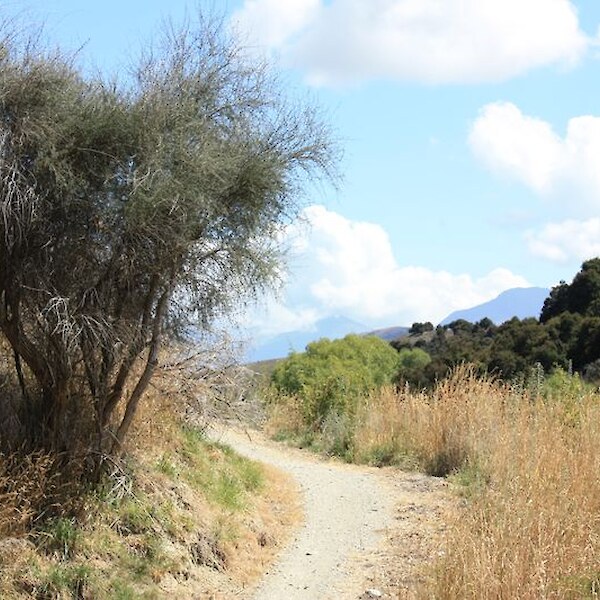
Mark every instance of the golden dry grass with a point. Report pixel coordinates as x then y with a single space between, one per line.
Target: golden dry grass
530 469
535 531
527 465
23 488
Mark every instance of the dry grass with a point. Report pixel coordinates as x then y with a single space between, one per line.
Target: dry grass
180 517
35 487
527 465
530 470
286 419
23 481
442 430
535 531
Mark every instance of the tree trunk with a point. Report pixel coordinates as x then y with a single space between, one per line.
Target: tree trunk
145 377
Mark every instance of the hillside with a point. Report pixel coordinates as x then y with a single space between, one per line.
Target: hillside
389 333
517 302
333 328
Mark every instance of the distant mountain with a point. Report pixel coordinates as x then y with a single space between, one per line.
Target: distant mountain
517 302
282 344
389 334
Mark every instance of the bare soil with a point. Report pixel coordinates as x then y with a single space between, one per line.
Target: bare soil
366 532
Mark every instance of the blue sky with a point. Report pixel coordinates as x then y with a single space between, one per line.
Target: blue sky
471 132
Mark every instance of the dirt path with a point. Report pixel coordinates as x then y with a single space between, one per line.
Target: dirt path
367 532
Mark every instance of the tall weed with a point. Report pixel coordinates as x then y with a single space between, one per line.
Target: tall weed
441 431
530 468
525 458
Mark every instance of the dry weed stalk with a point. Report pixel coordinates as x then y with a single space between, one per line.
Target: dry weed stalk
35 486
196 386
531 528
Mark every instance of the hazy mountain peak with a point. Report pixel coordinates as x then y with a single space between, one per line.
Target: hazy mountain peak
516 302
333 327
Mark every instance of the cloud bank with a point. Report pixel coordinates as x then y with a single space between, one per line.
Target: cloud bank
528 150
564 170
271 23
432 41
566 241
339 266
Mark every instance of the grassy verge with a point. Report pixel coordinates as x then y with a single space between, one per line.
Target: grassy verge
526 464
184 517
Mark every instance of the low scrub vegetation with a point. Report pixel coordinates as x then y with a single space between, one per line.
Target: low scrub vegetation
325 384
181 515
166 525
525 458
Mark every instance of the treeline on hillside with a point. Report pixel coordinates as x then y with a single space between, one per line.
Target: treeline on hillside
566 336
319 397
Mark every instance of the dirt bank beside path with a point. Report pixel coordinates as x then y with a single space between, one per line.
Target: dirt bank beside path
366 531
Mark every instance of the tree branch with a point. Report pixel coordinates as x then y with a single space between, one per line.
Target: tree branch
145 377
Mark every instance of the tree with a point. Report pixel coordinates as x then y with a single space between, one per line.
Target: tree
412 365
414 358
333 374
556 303
519 344
584 292
581 296
418 328
127 212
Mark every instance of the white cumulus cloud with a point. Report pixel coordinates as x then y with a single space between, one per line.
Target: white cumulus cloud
569 240
528 149
434 41
522 147
344 267
271 23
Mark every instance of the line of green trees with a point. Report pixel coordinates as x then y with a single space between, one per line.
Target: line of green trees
331 376
566 336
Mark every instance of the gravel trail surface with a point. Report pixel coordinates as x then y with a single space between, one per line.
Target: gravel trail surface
366 531
346 514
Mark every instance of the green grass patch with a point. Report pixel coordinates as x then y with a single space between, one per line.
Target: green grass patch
61 579
58 536
141 528
388 454
471 480
223 476
167 466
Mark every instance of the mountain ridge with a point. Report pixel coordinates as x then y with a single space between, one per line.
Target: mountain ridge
519 302
282 344
515 302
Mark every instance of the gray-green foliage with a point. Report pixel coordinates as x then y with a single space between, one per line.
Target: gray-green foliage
332 375
413 358
126 212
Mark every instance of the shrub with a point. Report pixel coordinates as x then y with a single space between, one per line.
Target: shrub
129 213
332 375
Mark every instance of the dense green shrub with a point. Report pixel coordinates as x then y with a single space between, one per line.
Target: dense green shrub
331 375
412 364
